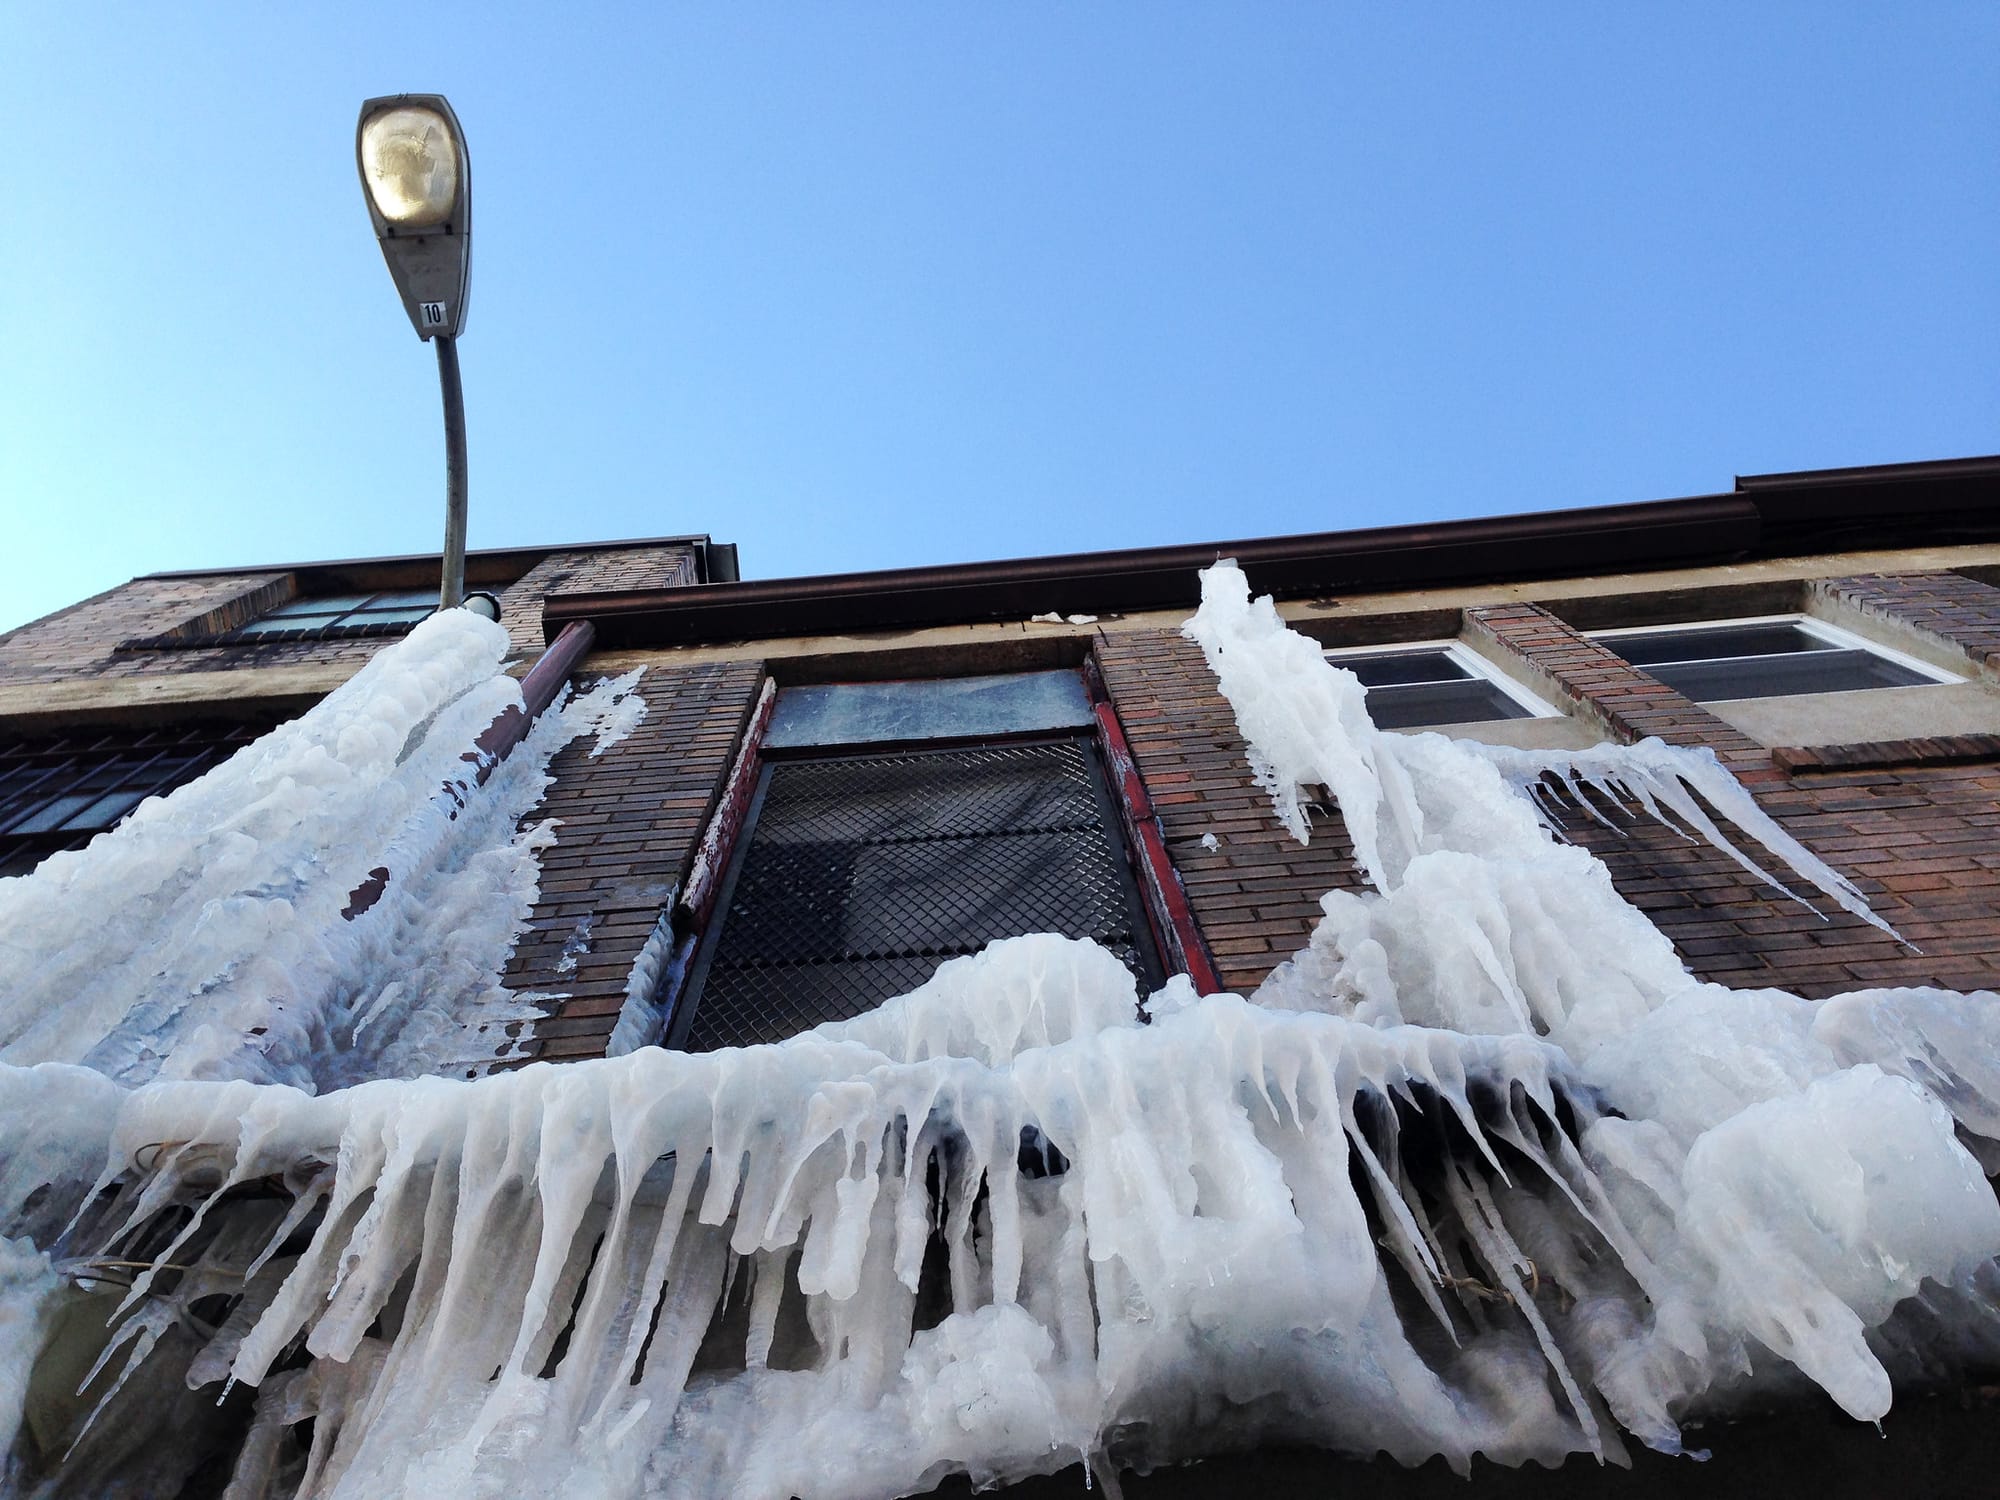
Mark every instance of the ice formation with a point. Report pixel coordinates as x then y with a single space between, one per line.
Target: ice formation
1482 1170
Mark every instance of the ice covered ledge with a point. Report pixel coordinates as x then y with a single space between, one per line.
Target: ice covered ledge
1483 1174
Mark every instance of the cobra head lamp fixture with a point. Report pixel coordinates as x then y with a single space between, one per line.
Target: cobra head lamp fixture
419 190
417 181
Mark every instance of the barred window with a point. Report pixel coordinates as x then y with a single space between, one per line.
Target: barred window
860 871
386 612
61 791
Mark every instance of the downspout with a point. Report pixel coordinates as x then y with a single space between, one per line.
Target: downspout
497 740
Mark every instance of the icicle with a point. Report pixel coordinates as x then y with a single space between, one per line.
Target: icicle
1001 1222
1651 773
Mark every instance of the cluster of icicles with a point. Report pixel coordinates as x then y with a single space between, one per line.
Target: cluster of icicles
1481 1171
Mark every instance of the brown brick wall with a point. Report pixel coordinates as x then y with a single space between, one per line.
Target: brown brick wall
1921 840
81 643
1609 691
1255 896
1922 843
1949 606
628 822
586 572
1920 837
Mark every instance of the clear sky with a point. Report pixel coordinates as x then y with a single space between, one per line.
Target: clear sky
861 285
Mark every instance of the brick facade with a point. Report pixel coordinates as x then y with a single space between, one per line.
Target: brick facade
1608 691
1917 827
627 823
1918 830
1255 895
1947 606
91 640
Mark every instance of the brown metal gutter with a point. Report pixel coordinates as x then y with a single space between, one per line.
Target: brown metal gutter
1768 515
1887 505
1549 543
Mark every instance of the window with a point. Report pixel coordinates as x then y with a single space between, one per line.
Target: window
59 792
863 866
1436 682
1773 657
389 612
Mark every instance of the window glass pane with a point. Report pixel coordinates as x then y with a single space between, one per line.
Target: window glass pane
72 787
52 814
105 810
424 598
277 624
388 615
317 604
1403 666
1834 670
1707 643
861 713
1415 705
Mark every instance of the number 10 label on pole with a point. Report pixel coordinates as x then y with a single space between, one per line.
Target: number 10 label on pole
432 314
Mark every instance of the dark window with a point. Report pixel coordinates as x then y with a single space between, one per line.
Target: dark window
59 792
1760 659
858 874
1412 687
388 612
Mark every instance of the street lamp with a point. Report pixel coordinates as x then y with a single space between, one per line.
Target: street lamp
417 181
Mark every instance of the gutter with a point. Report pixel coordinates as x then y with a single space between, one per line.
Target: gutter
1548 543
1766 516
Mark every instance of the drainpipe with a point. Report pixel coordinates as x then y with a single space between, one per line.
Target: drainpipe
498 739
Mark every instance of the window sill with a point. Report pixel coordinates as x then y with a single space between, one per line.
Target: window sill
1939 751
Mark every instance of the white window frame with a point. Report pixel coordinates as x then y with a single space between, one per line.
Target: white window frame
1475 666
1833 635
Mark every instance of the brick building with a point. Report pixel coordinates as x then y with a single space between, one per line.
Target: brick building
135 690
1833 636
1849 579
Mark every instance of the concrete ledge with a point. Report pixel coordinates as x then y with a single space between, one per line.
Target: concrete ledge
36 707
1936 751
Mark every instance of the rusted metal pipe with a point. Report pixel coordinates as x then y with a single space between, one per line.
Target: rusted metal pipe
538 690
497 740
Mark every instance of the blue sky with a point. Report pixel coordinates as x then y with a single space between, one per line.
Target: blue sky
860 285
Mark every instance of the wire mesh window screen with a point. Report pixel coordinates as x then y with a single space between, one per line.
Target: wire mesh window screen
61 791
861 874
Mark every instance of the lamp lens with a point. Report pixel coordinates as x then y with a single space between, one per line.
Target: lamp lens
409 162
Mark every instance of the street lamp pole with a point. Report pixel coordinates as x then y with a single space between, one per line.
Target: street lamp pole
417 180
451 593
